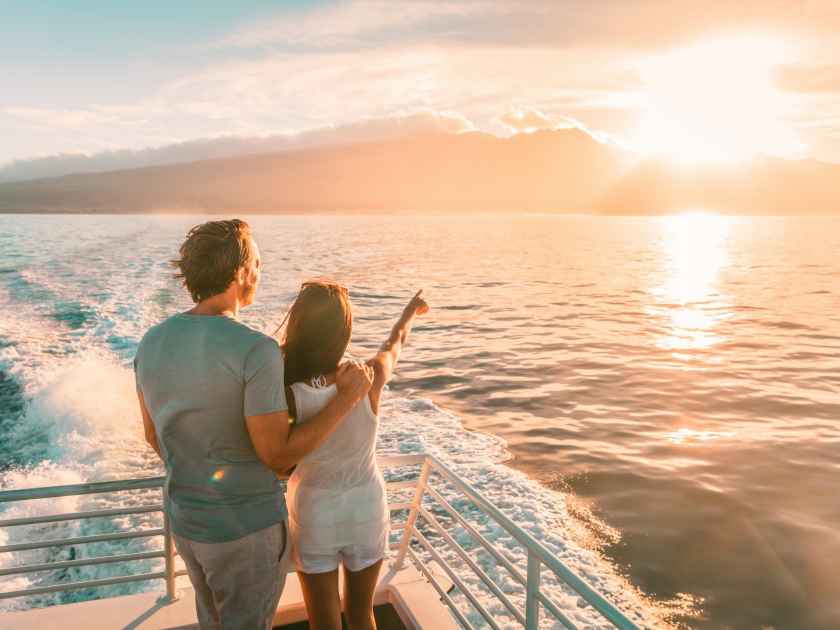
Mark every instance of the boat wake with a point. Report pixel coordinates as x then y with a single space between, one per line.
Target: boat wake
75 419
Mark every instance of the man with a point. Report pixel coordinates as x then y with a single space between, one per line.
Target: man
213 405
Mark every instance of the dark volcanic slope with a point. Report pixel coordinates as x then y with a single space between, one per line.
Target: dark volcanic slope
561 171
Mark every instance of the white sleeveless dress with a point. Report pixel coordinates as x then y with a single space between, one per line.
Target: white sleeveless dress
338 507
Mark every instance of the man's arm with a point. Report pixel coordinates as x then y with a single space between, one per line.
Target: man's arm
280 445
148 425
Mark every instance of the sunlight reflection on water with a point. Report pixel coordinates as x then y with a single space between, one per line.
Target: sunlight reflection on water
688 436
695 248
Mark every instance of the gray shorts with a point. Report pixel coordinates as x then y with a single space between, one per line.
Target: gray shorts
238 583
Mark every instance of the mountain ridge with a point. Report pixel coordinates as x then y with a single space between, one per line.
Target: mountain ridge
564 170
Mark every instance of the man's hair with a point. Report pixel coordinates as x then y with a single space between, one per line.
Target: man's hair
211 255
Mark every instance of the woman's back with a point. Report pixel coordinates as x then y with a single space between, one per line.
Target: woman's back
336 495
347 458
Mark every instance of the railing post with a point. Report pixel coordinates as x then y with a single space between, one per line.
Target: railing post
412 515
169 550
532 590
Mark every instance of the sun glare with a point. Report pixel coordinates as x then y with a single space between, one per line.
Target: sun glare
716 101
695 245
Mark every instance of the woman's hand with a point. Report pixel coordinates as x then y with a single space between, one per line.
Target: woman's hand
389 352
417 305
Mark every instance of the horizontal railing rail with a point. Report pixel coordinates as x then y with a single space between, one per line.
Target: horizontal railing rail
67 564
412 536
73 516
96 487
82 540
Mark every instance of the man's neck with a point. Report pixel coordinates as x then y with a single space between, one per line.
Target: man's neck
222 304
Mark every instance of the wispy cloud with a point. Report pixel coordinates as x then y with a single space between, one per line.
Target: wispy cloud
362 23
642 24
63 118
331 65
810 78
286 93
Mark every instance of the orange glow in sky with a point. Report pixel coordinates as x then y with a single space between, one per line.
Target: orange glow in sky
716 100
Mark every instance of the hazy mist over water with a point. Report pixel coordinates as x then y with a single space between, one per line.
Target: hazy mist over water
675 380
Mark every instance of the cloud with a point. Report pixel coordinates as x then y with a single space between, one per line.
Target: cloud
57 118
420 122
526 120
329 66
810 79
283 93
617 24
361 23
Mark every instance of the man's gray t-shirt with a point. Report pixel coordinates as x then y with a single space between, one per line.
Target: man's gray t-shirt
200 376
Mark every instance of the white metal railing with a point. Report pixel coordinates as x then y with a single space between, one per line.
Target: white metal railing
52 492
538 555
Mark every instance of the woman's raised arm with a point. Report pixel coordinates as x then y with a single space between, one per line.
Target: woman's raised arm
386 358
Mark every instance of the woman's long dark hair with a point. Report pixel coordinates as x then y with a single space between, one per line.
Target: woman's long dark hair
316 330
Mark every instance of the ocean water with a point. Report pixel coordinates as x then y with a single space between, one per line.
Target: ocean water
657 399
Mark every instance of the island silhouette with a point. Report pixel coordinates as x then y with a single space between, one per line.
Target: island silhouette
561 170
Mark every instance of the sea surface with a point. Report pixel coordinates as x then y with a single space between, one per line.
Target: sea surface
656 399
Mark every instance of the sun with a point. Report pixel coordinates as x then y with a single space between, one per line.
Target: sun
716 101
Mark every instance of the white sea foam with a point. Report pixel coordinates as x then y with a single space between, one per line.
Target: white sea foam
31 337
82 425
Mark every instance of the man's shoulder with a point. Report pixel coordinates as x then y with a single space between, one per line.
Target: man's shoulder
152 338
246 342
157 330
251 336
234 335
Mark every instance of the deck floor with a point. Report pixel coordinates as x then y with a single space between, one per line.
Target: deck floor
400 591
386 619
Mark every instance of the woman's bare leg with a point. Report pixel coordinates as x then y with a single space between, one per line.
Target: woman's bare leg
323 603
359 587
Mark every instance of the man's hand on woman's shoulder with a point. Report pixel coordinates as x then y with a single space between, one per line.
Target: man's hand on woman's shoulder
353 380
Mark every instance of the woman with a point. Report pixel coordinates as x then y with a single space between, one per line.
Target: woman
338 508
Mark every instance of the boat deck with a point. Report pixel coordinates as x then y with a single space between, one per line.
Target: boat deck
404 599
386 615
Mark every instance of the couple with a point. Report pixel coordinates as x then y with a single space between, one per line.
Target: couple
228 409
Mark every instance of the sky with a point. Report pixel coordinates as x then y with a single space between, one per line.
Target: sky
692 80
